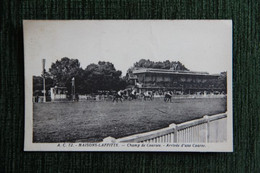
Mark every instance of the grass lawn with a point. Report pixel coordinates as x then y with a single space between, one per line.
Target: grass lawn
93 121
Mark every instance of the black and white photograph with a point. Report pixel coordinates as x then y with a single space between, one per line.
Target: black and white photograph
128 85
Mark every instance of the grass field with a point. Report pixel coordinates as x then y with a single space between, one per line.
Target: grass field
93 121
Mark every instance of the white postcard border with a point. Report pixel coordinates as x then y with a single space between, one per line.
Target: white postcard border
123 147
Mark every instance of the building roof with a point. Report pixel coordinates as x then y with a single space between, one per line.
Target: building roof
169 71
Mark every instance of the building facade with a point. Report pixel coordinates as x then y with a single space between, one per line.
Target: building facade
182 82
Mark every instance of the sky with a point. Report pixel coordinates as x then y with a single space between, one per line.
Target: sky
201 45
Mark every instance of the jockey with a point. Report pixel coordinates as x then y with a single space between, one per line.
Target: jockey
169 93
133 92
119 93
146 93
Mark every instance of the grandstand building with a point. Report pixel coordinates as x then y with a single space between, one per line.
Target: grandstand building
180 82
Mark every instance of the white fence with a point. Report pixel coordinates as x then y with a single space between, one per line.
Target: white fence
207 129
58 97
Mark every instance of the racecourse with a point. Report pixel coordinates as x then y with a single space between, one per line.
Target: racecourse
92 121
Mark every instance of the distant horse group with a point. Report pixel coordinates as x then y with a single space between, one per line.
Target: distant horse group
120 97
146 96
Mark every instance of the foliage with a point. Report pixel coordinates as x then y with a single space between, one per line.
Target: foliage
103 76
38 85
176 65
143 63
62 71
95 77
222 81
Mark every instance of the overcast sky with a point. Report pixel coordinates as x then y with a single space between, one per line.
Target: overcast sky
199 45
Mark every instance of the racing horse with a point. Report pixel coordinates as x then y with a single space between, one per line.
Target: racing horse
118 96
168 97
132 95
147 95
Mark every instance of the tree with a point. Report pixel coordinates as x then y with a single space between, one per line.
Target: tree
38 84
62 72
102 76
222 81
143 63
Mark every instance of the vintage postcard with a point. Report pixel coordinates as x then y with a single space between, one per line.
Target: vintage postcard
128 85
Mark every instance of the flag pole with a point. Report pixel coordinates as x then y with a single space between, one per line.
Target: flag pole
43 77
73 89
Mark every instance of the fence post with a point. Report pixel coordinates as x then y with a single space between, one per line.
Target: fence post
175 129
206 117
